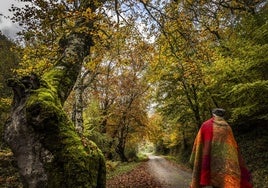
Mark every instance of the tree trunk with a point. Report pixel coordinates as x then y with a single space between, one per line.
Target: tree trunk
45 144
122 138
78 106
120 149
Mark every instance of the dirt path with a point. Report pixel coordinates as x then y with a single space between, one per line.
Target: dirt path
168 174
155 173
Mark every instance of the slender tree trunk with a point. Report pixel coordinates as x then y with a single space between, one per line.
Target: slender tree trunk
122 138
120 149
78 107
45 144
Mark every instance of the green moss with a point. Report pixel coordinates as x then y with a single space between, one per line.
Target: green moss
54 77
61 79
76 162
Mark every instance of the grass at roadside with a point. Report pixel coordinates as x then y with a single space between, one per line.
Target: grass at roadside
116 168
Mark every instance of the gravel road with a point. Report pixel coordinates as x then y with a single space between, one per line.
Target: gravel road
169 175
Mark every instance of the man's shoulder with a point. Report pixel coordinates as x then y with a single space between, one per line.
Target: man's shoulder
209 122
207 129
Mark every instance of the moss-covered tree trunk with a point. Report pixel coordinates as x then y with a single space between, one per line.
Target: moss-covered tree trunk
48 150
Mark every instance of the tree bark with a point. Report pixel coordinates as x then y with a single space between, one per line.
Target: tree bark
78 106
84 80
48 150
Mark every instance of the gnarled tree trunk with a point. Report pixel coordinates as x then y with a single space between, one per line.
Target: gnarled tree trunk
48 150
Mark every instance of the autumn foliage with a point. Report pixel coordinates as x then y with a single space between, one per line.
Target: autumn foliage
155 70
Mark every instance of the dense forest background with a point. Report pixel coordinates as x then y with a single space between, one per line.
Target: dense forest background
156 70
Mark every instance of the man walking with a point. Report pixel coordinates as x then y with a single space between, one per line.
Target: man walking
215 158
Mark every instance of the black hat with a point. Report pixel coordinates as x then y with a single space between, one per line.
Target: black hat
218 112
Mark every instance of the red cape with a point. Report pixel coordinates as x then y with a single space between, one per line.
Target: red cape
216 159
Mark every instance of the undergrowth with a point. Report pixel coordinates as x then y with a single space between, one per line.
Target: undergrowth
253 145
117 168
9 176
